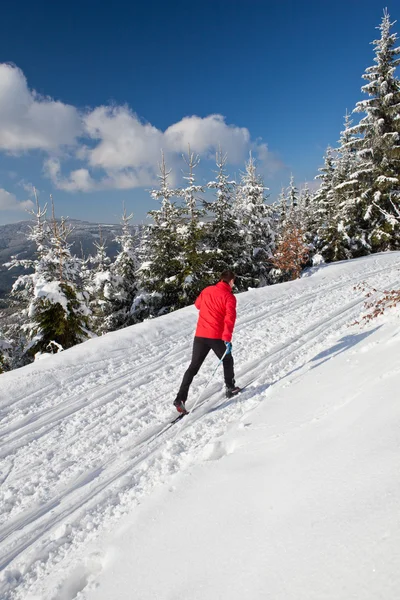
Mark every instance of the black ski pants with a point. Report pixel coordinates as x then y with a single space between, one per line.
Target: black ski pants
201 347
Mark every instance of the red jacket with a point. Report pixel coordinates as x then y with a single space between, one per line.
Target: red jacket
217 306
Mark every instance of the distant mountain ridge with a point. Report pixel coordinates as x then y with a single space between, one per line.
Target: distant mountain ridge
13 241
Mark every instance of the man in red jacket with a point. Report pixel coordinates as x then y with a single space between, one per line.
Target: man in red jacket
217 306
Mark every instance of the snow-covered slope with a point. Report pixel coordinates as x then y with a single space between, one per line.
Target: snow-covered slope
288 492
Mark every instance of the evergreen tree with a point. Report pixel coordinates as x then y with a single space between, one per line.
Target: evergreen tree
298 204
378 145
256 228
196 274
281 211
97 278
121 286
293 198
160 276
56 313
347 240
327 239
5 353
304 208
223 235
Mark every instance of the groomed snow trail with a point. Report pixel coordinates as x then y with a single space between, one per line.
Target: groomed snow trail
77 431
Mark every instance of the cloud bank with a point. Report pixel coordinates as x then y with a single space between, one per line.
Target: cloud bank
112 146
9 202
29 121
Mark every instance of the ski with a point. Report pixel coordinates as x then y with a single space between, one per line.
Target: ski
200 404
180 416
168 426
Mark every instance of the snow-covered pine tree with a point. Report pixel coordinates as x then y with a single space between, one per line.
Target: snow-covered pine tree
13 339
293 198
378 145
97 276
223 237
281 211
256 225
346 242
55 301
160 276
298 208
327 239
120 289
192 236
304 207
305 217
5 353
394 216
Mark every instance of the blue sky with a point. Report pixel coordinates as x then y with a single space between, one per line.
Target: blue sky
97 89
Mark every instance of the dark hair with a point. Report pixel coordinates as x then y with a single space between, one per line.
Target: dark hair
227 276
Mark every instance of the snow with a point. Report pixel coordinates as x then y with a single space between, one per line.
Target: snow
288 492
50 290
384 179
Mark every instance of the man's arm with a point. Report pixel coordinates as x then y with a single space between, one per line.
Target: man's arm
230 318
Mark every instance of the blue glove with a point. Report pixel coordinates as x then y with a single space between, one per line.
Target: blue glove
228 347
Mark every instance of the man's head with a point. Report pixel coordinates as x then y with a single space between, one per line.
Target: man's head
228 277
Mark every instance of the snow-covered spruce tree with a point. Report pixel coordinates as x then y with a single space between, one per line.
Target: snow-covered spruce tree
328 237
378 145
298 205
121 286
305 220
191 232
281 211
223 237
346 240
255 218
5 353
295 207
160 276
394 216
97 277
293 197
304 209
56 304
13 341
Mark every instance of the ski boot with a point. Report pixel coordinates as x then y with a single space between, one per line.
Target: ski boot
180 406
232 390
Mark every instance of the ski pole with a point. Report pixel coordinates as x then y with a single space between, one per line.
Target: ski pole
208 382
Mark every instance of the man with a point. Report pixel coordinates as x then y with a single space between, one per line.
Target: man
217 306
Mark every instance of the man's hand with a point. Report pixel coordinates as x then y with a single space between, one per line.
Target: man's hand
228 347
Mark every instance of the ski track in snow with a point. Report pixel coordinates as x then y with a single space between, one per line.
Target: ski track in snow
80 451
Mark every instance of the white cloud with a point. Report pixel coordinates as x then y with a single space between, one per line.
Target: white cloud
205 135
123 141
9 202
128 151
29 121
113 148
81 179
